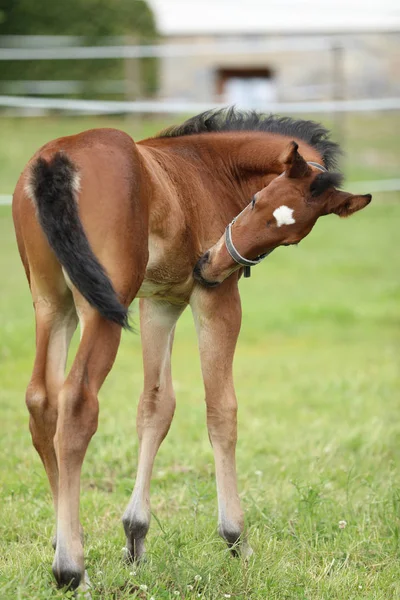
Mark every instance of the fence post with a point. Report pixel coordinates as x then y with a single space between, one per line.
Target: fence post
338 88
133 82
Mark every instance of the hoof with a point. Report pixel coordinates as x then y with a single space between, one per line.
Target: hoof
135 532
134 552
69 578
135 528
230 533
67 574
241 550
236 540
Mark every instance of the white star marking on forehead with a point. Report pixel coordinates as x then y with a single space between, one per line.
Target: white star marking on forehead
284 215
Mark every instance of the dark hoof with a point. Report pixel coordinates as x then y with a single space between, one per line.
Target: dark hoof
231 535
236 540
135 531
69 577
135 552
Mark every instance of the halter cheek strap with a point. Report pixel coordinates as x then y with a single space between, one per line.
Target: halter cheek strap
317 166
237 257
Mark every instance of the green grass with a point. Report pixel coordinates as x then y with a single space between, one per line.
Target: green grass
317 377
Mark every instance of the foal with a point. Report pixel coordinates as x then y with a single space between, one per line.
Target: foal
101 220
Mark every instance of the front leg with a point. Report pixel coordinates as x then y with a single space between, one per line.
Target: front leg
217 315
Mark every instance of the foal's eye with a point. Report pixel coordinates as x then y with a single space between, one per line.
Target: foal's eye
269 223
253 201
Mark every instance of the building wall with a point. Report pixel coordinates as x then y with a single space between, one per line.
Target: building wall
371 68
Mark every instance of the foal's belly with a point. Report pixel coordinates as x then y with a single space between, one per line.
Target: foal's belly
175 292
169 271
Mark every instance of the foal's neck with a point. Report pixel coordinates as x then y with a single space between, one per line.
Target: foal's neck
250 154
237 163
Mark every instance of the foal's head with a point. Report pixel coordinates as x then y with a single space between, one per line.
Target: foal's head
281 214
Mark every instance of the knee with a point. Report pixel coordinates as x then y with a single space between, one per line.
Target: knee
156 401
222 420
78 408
36 399
221 408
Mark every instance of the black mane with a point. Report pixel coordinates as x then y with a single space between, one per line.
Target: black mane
232 119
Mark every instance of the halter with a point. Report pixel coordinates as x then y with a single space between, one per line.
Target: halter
230 246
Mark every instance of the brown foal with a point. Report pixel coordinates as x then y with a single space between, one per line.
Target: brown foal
101 220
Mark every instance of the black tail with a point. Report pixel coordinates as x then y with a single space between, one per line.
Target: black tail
54 186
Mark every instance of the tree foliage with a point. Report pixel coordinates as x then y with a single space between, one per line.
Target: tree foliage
93 20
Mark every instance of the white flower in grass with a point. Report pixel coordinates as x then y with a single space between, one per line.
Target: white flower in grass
197 577
259 473
177 593
227 595
189 587
143 587
132 573
342 524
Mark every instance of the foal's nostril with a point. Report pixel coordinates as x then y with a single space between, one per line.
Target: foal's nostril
197 274
368 197
205 258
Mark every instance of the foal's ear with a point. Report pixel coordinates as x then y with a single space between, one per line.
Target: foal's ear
345 204
295 165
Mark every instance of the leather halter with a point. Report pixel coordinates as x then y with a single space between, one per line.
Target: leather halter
230 246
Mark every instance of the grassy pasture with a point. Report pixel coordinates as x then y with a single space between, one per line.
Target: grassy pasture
318 381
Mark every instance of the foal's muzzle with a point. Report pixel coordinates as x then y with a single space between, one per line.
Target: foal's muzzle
197 271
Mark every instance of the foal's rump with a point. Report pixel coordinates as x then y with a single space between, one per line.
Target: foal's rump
85 191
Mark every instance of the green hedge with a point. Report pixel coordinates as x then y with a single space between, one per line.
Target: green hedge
93 20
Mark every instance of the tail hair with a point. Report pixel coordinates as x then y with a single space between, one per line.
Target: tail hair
54 185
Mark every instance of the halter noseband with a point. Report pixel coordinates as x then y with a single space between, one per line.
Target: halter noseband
237 257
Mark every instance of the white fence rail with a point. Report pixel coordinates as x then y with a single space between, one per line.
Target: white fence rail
182 107
169 50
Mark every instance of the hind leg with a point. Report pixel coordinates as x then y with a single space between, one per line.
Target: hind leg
55 324
76 424
155 411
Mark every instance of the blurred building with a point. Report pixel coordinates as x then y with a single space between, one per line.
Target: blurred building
250 52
